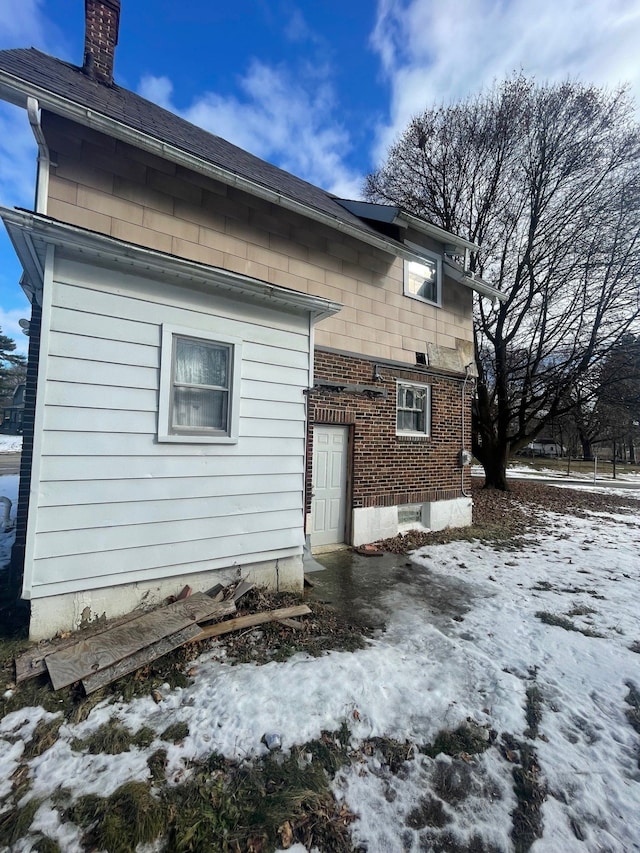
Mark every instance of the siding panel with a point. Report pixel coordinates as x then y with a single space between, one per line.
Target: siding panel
116 506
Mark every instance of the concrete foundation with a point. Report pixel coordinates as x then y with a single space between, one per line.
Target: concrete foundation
72 611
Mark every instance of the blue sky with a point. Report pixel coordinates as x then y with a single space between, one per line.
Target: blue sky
320 87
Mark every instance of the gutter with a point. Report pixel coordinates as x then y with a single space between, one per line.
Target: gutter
13 86
457 273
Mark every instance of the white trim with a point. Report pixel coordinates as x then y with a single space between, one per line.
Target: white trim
165 434
427 430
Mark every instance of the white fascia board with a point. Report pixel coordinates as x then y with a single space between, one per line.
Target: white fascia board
16 91
474 282
436 232
32 229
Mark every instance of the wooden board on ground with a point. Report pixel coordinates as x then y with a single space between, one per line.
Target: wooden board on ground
242 589
295 624
96 653
139 658
31 663
252 620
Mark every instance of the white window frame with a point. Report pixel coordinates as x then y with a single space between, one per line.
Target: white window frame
430 256
166 433
400 384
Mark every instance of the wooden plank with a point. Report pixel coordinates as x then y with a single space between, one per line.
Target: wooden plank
242 589
96 653
295 624
139 658
252 620
31 663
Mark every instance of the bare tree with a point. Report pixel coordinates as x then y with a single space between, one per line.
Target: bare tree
546 179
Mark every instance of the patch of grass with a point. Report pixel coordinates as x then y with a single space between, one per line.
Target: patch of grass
44 844
533 711
330 750
581 610
175 733
253 807
113 738
394 753
567 624
633 711
44 736
527 824
130 816
157 764
468 738
15 823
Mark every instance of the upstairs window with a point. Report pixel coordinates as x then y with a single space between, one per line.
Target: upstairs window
422 280
413 409
199 385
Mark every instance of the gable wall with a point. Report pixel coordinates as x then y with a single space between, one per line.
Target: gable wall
113 188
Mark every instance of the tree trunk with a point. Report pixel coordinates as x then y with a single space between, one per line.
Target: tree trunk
494 462
587 452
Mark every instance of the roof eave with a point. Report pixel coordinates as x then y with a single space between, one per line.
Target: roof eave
474 282
27 229
16 90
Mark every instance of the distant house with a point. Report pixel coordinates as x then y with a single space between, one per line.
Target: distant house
224 359
12 415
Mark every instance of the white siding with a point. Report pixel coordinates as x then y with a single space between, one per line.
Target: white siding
114 506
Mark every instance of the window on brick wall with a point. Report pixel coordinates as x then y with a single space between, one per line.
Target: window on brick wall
413 409
199 387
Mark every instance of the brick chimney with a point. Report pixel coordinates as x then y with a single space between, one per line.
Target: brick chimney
102 19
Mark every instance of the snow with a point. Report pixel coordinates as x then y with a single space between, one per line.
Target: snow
418 676
10 443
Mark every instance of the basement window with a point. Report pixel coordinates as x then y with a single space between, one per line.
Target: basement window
199 387
422 280
413 409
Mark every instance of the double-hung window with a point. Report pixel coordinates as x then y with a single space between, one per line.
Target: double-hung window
423 279
199 387
413 409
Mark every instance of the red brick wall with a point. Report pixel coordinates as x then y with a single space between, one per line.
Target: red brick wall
388 469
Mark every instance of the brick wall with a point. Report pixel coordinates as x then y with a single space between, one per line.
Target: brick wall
388 469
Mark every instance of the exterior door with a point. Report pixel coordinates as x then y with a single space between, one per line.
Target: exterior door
329 497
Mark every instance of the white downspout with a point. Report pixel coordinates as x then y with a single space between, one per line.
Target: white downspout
44 159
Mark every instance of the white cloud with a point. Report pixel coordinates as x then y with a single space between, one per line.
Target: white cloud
433 52
286 119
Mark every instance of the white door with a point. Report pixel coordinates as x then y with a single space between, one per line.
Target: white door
328 502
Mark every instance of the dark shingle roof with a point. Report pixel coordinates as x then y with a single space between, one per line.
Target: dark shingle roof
68 81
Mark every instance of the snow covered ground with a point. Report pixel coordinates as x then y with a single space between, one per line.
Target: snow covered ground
415 678
10 443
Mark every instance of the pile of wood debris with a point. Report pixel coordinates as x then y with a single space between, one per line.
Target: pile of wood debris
110 650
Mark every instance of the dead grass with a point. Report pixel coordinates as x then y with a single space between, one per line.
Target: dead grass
562 622
112 738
